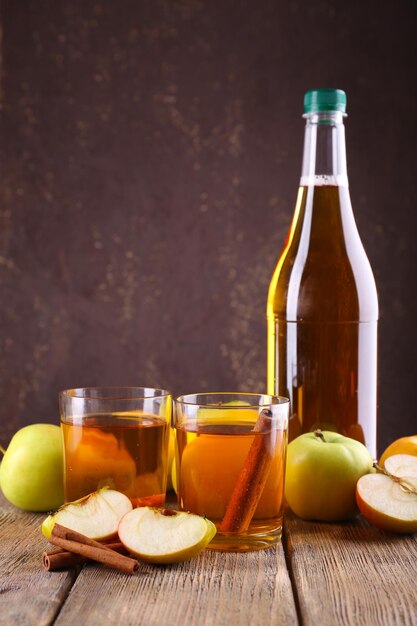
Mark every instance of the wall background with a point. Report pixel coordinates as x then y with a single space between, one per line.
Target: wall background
150 155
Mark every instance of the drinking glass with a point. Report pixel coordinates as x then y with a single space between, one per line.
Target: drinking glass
230 463
116 437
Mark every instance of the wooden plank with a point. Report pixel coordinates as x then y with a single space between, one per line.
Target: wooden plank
215 588
28 594
352 574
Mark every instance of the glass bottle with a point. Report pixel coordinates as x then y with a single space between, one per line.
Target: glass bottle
322 309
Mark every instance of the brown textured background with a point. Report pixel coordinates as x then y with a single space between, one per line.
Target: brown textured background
150 155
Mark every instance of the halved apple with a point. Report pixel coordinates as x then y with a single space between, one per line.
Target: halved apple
163 535
389 500
97 515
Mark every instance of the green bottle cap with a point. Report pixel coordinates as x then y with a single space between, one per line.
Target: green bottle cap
317 100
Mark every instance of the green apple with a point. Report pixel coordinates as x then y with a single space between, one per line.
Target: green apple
321 475
31 473
97 515
164 535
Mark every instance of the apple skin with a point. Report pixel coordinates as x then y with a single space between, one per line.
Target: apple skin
404 445
321 476
31 473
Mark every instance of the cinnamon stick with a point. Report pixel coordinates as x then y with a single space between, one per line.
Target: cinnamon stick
72 535
77 543
59 559
251 480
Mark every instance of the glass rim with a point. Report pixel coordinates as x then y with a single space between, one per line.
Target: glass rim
75 392
183 399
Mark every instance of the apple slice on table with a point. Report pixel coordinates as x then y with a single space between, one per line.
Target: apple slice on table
163 535
389 499
97 516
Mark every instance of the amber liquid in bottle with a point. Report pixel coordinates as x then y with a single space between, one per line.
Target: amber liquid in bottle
322 305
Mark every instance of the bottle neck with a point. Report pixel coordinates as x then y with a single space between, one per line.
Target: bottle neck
324 157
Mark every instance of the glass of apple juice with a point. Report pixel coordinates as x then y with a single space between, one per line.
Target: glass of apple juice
230 465
116 437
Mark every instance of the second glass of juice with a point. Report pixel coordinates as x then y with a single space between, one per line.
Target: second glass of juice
230 462
116 437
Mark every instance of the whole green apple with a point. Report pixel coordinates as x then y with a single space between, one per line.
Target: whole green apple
31 473
321 475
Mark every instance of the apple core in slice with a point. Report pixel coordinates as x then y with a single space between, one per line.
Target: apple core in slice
97 516
161 536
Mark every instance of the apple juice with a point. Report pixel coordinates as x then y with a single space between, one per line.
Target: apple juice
209 462
322 355
322 308
126 453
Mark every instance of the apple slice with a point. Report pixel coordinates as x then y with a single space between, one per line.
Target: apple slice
163 535
389 500
97 516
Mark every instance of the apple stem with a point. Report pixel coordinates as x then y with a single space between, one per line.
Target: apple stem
404 484
319 434
2 450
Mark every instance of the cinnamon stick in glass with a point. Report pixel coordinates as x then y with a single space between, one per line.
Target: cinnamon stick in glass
252 478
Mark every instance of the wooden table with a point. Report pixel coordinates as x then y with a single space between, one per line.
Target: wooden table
322 574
